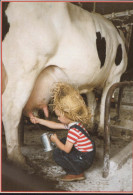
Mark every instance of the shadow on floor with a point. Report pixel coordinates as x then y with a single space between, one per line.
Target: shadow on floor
16 179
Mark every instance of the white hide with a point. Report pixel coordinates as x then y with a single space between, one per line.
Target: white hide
43 87
60 34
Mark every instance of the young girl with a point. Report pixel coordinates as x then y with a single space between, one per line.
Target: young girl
75 153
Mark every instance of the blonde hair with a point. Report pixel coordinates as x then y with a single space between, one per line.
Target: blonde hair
70 103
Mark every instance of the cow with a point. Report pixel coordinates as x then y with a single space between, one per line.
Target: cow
43 88
55 39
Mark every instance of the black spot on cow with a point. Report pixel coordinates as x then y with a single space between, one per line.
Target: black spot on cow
118 57
101 48
5 24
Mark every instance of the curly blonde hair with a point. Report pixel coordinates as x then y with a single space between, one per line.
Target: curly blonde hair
70 103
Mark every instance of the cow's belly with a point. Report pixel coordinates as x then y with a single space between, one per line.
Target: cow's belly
80 67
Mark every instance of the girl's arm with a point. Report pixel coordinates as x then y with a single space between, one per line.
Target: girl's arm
65 147
47 123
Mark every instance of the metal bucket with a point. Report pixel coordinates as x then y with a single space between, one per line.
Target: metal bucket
45 138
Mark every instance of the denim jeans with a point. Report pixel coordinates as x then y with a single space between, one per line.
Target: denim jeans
75 162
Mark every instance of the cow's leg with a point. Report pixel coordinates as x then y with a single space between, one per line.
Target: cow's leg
102 110
114 77
11 134
102 107
91 101
12 109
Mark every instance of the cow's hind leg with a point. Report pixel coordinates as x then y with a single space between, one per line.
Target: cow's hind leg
102 109
116 71
102 105
91 101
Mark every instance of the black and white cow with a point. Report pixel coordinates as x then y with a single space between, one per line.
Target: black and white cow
63 42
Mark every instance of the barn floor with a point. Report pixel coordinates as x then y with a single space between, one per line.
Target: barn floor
41 164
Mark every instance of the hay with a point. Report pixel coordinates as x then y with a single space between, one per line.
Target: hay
70 103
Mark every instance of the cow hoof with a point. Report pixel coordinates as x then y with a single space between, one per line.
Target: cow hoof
18 160
22 164
21 160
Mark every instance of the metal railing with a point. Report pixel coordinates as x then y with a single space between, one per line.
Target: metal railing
107 125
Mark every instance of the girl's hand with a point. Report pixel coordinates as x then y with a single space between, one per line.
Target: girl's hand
34 120
53 138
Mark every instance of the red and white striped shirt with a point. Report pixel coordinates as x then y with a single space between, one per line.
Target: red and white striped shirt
80 141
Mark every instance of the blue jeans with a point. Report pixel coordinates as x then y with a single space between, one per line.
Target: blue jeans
75 162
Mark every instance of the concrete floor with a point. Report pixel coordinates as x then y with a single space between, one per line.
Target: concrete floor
118 180
42 165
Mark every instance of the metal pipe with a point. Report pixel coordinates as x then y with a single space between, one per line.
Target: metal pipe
94 7
124 103
119 14
107 124
119 102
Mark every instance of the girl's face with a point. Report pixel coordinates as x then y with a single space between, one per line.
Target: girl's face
62 118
